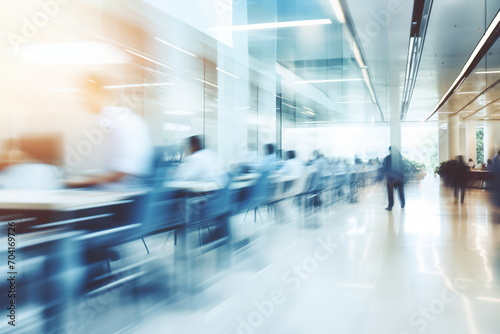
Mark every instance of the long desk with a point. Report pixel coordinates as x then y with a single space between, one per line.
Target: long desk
480 179
60 200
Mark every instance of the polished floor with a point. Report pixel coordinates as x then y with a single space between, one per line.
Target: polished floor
432 267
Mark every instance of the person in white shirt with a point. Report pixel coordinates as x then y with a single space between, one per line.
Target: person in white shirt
471 164
201 164
269 162
125 140
292 166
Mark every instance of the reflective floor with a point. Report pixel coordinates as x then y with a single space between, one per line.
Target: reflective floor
432 267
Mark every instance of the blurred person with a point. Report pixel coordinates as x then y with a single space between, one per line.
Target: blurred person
489 165
496 159
355 178
495 169
392 167
269 162
126 141
320 163
459 173
292 166
471 164
358 165
246 161
201 163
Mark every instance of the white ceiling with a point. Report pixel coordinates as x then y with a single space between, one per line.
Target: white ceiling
455 27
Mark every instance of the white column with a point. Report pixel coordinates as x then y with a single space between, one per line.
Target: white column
453 137
443 144
491 139
395 116
470 142
462 147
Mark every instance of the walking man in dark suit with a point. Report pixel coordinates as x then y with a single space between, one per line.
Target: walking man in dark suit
392 166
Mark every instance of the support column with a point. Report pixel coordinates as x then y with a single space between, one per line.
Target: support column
470 141
491 139
443 144
395 116
453 137
462 146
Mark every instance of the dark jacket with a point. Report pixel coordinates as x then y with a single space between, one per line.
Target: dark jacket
393 167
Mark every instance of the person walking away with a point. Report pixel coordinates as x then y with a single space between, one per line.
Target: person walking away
392 166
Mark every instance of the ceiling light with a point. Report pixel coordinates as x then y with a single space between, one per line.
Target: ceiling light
465 93
148 59
175 47
487 72
323 81
225 72
490 36
139 85
358 56
274 25
337 9
208 83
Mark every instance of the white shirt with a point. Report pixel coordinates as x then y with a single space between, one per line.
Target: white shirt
292 167
129 148
200 166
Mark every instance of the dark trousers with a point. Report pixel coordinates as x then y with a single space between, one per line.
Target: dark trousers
390 193
460 188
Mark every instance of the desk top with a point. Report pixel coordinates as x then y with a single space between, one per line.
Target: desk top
60 200
193 186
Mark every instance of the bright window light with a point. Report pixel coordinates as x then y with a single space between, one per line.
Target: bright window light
208 83
78 53
175 47
355 102
139 85
148 59
179 112
225 72
274 25
328 80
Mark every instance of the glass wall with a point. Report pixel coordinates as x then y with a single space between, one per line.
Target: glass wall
186 70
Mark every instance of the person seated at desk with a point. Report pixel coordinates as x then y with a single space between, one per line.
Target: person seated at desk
201 164
269 162
128 148
471 164
489 165
293 166
320 163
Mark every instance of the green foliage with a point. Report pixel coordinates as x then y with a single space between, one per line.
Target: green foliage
412 167
444 168
480 146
